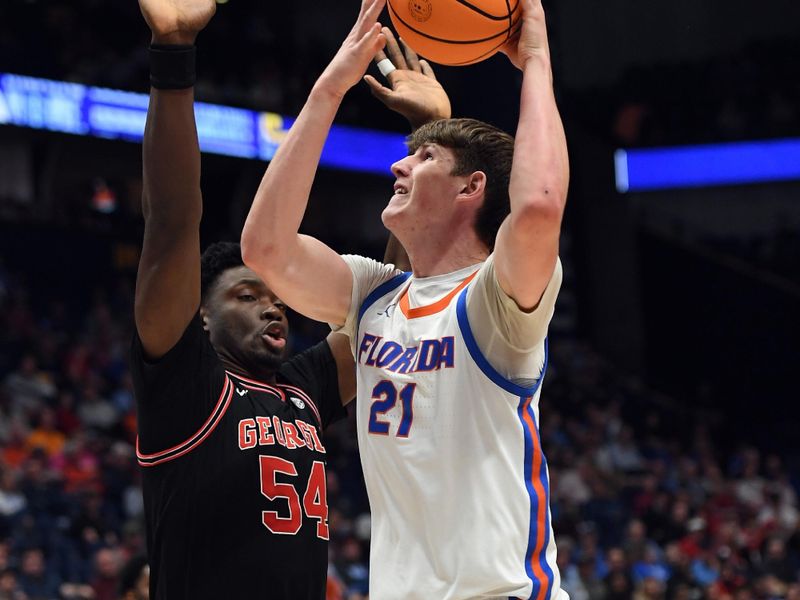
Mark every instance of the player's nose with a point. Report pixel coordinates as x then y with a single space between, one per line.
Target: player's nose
270 312
402 167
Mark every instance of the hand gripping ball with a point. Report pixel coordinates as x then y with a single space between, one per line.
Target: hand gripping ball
456 32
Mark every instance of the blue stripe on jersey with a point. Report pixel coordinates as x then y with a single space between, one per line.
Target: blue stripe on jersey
535 500
480 360
380 291
548 570
530 444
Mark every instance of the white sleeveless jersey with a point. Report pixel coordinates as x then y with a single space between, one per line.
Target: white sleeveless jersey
457 481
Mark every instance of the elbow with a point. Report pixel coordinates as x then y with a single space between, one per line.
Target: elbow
259 254
254 253
546 205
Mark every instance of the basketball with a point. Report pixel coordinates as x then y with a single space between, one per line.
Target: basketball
455 32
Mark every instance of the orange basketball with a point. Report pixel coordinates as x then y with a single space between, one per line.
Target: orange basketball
455 32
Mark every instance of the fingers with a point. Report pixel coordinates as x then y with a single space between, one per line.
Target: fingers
380 54
372 41
379 91
393 50
375 86
427 70
370 9
411 57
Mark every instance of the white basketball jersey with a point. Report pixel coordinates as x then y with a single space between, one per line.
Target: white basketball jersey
457 481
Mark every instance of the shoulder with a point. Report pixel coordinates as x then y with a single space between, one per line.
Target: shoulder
185 357
489 307
371 280
487 283
369 273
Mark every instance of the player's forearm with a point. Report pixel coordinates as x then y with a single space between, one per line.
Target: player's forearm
271 228
540 172
171 160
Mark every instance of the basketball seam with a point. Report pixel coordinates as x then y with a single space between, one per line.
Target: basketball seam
488 52
436 39
484 13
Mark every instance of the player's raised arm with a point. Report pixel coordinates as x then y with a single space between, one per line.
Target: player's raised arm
168 281
304 272
527 243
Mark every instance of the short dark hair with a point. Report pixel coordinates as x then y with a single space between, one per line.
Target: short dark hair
477 146
218 258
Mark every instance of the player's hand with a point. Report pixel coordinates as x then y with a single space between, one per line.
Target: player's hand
358 48
413 90
531 40
177 21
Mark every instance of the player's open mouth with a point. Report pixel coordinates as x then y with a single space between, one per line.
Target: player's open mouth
400 190
274 335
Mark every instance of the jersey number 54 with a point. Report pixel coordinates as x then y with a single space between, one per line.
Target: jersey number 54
315 497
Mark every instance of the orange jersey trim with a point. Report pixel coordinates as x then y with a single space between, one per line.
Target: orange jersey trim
431 309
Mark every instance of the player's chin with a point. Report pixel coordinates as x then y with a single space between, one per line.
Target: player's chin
266 354
270 358
391 215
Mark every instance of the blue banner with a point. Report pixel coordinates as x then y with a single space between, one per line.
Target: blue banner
708 165
99 112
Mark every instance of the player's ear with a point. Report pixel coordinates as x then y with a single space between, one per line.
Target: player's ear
204 317
474 186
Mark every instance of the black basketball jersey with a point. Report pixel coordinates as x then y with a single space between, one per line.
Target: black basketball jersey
234 473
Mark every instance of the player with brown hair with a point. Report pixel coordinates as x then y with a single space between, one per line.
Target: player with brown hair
450 357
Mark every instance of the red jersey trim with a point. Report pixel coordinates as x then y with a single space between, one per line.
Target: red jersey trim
279 389
156 458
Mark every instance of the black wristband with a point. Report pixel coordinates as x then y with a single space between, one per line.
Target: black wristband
172 66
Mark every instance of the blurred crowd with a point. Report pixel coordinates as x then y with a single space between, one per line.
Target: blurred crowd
649 500
742 96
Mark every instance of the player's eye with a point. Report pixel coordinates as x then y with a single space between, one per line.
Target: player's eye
247 297
428 156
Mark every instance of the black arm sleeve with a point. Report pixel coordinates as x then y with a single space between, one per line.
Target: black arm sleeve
314 371
176 394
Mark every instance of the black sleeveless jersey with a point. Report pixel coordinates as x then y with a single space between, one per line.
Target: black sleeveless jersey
234 473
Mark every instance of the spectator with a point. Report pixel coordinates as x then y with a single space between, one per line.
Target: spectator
650 567
9 586
650 588
35 580
12 500
776 563
571 581
352 569
94 411
106 580
28 388
46 436
618 584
